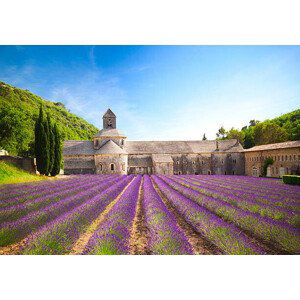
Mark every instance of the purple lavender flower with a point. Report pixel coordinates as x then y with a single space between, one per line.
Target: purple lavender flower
112 237
165 237
283 234
224 235
59 235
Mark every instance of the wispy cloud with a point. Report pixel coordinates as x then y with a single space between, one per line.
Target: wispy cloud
17 74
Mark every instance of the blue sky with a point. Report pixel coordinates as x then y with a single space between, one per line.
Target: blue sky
161 92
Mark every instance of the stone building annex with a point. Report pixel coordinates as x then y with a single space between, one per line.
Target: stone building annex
111 153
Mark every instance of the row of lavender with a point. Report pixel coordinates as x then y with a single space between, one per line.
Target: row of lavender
27 214
262 205
164 235
54 216
282 234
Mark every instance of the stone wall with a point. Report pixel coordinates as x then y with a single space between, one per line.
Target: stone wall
165 168
79 164
207 163
111 164
286 161
25 163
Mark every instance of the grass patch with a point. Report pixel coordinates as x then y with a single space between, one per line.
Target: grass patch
106 248
7 237
10 174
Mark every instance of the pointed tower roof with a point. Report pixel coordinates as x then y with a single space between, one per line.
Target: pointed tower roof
109 113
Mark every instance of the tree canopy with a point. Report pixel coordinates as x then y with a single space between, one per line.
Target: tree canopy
281 129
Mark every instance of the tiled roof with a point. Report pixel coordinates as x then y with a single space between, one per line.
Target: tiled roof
184 147
110 133
154 147
290 144
78 148
110 148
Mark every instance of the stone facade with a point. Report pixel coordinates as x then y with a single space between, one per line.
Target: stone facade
111 153
286 157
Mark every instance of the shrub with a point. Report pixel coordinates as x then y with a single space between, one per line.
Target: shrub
291 179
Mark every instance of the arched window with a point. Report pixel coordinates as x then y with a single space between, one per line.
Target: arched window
100 167
112 167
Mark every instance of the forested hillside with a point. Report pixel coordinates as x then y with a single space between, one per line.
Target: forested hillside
280 129
19 110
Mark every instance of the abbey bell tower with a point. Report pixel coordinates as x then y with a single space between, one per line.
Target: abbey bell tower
109 120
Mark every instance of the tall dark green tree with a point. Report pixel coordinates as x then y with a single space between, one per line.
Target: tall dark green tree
51 139
57 152
37 140
41 144
204 137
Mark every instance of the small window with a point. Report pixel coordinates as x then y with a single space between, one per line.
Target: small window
282 158
225 173
112 167
290 157
232 172
100 167
179 173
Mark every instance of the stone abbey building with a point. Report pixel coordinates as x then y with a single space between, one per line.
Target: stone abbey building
111 153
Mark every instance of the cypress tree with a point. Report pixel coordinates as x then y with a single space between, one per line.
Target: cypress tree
44 150
51 140
37 140
41 144
57 152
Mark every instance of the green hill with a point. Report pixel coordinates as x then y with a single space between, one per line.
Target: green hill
18 112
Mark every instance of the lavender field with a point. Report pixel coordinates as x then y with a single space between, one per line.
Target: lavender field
116 214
